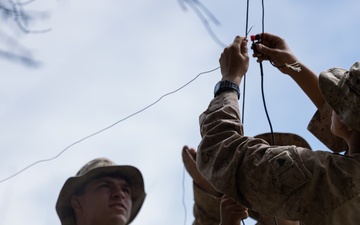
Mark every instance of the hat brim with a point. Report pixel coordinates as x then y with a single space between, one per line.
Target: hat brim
281 139
129 173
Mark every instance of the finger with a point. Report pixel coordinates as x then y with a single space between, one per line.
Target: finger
267 37
192 152
237 45
242 214
190 165
260 58
223 55
243 47
229 201
238 40
184 151
264 49
185 147
188 158
237 207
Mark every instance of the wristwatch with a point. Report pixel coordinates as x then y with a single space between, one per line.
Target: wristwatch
226 85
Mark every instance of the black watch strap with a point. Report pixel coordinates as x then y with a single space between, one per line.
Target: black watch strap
226 85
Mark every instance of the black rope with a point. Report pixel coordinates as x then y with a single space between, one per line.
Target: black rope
244 83
262 86
264 103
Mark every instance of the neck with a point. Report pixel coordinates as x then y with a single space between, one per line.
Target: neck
354 143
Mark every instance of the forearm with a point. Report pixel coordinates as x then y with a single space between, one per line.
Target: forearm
308 81
206 207
221 131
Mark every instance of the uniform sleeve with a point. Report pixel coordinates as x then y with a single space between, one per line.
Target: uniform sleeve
206 208
281 181
319 126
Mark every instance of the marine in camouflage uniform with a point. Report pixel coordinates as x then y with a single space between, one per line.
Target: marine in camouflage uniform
315 187
207 204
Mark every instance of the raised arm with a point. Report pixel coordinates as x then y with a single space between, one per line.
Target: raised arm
206 199
276 50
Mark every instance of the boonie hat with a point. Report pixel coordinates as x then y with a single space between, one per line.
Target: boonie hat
341 89
284 139
95 169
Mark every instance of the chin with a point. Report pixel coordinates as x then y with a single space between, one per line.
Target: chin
334 131
119 220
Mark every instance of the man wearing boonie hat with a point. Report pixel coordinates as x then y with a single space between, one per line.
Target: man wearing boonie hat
101 193
207 201
290 182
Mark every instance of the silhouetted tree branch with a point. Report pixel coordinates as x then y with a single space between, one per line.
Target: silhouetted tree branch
203 13
17 20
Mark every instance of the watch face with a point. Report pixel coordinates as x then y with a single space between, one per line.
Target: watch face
217 87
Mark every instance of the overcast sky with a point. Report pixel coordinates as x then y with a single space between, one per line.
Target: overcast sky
105 60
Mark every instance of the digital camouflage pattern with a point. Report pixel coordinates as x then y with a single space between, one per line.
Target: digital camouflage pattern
315 187
341 89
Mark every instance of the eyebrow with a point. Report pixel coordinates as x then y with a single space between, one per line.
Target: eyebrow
108 180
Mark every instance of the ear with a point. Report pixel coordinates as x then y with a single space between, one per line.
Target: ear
76 203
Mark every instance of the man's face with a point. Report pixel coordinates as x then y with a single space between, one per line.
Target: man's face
106 201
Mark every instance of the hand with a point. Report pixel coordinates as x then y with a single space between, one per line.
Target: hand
234 61
231 212
279 221
275 49
189 159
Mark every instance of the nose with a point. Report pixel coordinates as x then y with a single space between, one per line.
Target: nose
117 192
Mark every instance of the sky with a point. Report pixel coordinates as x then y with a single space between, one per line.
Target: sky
103 61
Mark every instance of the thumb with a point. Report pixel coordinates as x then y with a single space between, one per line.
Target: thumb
265 50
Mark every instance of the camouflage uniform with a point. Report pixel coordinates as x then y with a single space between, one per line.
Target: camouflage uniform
320 127
315 187
207 208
